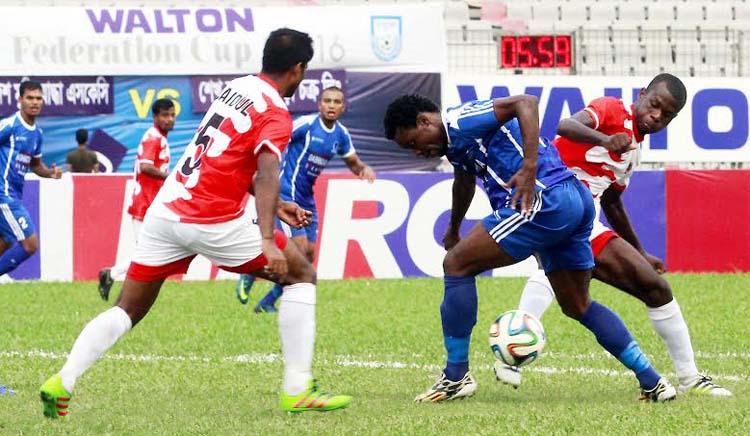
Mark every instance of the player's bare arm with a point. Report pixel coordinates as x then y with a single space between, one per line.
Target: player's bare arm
41 170
464 185
617 216
359 168
526 109
580 128
151 171
266 202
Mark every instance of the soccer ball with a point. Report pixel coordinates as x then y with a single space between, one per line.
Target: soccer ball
517 338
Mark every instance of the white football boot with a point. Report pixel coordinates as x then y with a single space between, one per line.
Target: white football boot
704 386
510 375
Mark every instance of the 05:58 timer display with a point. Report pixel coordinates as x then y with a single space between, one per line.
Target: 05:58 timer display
535 51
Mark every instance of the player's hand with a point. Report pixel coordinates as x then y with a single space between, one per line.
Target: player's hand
619 143
55 172
451 238
276 268
292 214
367 174
656 263
524 183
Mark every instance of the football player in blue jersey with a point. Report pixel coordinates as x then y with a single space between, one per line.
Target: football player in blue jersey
316 139
539 207
20 150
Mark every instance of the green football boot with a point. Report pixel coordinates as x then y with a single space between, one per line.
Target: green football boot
314 399
54 398
244 284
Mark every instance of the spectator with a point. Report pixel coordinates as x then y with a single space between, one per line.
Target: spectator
82 160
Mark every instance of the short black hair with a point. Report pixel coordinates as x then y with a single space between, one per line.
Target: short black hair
162 104
29 85
286 48
403 111
332 88
82 136
674 85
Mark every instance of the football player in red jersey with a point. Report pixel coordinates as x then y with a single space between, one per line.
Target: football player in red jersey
601 144
199 210
151 169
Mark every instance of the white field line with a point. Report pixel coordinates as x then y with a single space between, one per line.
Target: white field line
346 361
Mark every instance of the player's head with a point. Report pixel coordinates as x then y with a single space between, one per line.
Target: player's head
82 136
285 58
30 99
414 123
331 103
164 114
659 103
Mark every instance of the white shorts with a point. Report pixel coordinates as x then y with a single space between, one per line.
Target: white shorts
167 247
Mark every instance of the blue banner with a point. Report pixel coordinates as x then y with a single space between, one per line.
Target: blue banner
116 136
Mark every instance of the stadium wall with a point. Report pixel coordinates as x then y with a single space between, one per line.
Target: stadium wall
393 228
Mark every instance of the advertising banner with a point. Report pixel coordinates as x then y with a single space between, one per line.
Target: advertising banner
63 95
391 228
121 40
115 137
206 89
712 127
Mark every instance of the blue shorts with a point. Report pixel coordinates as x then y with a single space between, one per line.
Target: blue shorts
311 231
558 229
15 222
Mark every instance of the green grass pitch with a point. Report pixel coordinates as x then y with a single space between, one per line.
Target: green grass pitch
201 363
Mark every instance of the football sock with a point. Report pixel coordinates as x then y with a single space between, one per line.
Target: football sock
297 330
12 258
537 295
271 296
671 326
119 270
612 334
99 335
459 315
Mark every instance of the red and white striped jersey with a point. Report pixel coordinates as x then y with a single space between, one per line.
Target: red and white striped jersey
210 181
153 149
594 165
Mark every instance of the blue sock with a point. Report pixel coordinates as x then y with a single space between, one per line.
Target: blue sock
272 296
459 314
612 334
12 258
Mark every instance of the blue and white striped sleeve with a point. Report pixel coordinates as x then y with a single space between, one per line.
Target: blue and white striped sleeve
38 148
345 146
6 129
301 126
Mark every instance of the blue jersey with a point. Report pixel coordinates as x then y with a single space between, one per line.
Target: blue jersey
19 142
480 145
310 149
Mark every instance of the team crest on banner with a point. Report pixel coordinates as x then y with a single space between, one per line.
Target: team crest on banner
385 36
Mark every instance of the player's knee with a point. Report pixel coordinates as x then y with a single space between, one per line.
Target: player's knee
454 266
303 272
573 308
658 293
30 245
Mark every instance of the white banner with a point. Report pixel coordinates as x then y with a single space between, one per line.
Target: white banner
712 127
215 40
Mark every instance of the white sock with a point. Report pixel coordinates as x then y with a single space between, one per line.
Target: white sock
119 270
671 326
297 330
537 295
99 335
